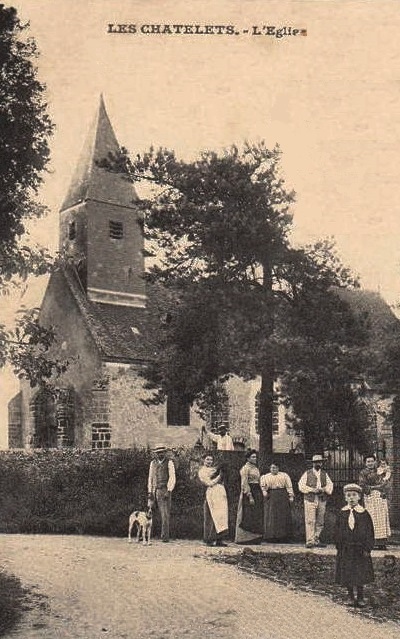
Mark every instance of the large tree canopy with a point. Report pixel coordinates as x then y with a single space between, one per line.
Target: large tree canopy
24 153
242 299
25 128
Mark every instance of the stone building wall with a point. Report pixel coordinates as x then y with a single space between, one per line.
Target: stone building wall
135 424
15 439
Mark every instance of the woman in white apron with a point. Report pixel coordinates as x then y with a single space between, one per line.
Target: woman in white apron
215 503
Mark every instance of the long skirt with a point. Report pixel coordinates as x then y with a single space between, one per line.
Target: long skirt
249 520
379 511
277 515
215 512
353 566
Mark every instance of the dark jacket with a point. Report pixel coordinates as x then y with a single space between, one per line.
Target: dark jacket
353 561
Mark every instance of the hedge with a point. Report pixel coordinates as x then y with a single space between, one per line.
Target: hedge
93 492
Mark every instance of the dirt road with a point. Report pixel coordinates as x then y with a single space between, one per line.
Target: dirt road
104 588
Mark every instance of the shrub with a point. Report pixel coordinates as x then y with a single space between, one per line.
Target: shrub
92 492
12 601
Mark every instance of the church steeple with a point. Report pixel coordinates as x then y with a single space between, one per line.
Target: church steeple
99 223
90 182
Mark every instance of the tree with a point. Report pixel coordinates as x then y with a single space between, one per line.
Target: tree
240 293
24 153
326 357
386 370
26 348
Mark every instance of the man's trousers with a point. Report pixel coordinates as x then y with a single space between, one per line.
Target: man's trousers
163 499
314 516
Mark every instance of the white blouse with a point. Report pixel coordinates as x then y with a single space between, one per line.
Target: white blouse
207 476
280 480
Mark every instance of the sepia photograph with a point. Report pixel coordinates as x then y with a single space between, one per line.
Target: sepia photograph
199 319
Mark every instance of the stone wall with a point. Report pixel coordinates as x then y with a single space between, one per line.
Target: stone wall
15 439
135 424
114 264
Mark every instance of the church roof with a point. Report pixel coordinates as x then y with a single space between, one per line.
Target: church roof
120 332
382 323
123 333
89 181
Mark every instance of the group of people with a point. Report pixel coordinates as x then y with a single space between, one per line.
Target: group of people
264 510
264 503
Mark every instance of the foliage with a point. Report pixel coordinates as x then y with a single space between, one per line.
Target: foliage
315 574
93 492
24 153
12 602
387 374
26 349
242 299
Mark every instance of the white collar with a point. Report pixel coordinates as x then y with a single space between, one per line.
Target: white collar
358 508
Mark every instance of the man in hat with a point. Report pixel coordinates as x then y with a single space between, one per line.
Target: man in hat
222 438
316 485
161 483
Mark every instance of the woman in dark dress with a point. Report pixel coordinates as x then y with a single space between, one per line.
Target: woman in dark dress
278 494
354 538
249 520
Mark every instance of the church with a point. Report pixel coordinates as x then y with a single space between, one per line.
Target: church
98 307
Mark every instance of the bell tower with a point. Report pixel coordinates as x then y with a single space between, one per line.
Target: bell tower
99 226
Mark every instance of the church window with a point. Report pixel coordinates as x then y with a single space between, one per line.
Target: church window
42 409
101 435
116 230
178 410
72 230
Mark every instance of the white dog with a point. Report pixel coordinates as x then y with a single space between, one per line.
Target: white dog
144 521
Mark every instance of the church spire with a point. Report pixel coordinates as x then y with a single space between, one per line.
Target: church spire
99 225
89 181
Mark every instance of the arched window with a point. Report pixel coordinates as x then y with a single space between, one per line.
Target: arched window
42 408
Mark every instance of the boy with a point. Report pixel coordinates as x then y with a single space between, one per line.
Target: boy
354 537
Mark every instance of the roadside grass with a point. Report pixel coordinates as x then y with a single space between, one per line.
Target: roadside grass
12 601
15 600
315 574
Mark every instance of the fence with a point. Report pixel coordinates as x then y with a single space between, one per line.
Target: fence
343 466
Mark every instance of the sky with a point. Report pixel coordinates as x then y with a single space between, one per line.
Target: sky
330 99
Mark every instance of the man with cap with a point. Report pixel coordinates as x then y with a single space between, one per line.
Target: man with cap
161 483
316 485
223 439
354 540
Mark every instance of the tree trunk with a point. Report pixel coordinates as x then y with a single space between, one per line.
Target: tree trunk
266 404
265 417
313 441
